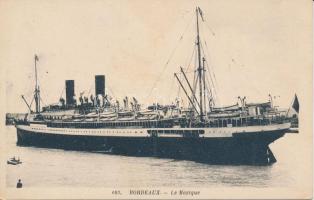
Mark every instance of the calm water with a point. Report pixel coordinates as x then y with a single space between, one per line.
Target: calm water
57 168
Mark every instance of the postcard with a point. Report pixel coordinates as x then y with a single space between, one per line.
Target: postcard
156 99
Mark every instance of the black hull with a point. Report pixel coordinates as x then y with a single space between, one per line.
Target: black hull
241 149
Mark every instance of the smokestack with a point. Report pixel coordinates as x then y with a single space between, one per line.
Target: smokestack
100 85
69 89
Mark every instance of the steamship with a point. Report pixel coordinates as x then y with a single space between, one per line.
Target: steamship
236 134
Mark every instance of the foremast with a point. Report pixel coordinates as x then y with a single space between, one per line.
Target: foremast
37 90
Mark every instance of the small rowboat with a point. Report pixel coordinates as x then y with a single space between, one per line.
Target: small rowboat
13 161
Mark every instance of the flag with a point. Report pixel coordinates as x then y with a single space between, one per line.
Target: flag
36 57
295 104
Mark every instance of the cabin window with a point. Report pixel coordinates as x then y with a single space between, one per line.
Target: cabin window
238 122
234 122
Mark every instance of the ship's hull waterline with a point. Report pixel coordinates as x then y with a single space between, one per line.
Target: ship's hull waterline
242 148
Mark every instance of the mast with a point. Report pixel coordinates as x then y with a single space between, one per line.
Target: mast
199 66
37 91
204 87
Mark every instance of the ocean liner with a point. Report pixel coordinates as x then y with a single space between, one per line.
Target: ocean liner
236 134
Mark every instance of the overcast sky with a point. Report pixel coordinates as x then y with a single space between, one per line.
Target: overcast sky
255 47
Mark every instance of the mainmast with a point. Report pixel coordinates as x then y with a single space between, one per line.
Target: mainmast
37 91
204 86
199 66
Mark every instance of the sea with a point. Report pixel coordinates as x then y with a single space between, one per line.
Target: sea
42 167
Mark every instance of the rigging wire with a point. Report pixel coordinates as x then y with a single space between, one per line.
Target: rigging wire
193 52
171 87
213 92
216 83
43 94
210 101
207 52
188 67
30 105
43 101
195 74
169 59
210 30
209 72
212 67
186 72
194 86
210 96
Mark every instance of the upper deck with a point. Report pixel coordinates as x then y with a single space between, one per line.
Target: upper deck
163 123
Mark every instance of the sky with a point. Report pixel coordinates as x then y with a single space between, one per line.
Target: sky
255 48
